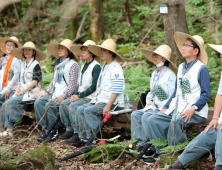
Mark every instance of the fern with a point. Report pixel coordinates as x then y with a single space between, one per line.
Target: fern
170 149
158 142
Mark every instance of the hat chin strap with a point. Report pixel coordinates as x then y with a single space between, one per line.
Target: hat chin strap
161 63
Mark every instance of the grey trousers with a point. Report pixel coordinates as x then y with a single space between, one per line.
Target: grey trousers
41 105
179 127
93 115
11 111
196 148
139 124
77 118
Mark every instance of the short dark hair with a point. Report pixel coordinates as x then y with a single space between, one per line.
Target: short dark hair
93 55
194 45
12 42
70 55
113 55
166 63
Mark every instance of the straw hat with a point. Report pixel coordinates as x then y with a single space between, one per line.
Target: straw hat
4 39
77 48
108 44
18 52
164 51
218 48
53 48
181 37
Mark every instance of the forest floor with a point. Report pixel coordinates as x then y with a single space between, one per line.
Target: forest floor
61 149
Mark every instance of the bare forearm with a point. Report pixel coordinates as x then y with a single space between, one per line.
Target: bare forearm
18 88
30 86
112 99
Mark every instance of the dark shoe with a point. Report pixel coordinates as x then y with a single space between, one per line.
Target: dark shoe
155 158
73 139
66 135
42 135
52 136
149 154
78 144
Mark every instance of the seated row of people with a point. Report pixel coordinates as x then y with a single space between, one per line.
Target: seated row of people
83 97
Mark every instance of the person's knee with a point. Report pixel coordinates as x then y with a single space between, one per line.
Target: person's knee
133 115
37 103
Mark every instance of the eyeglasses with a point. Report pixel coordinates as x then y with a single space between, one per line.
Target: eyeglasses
187 45
10 45
155 55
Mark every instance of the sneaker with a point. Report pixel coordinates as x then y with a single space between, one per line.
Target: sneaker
66 135
52 136
5 133
42 135
78 144
155 158
149 154
73 139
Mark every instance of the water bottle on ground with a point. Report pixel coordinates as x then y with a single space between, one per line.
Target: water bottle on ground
127 101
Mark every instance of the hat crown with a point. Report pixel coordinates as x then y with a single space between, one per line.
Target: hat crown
29 44
14 38
164 51
66 43
89 42
199 39
109 44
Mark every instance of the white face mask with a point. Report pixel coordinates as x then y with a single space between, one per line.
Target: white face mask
161 63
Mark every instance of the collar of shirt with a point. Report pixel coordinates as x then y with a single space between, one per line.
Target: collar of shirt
189 65
57 61
86 66
158 75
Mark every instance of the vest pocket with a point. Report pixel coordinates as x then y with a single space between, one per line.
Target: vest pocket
11 74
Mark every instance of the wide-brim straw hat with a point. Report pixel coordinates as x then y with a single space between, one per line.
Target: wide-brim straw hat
53 48
18 52
77 48
180 39
4 39
108 44
164 51
218 48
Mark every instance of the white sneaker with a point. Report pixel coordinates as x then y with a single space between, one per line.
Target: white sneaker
5 133
1 133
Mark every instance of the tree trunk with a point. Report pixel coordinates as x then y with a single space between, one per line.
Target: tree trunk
128 14
175 21
96 32
212 22
74 18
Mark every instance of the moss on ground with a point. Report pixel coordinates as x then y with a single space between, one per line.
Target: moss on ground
42 158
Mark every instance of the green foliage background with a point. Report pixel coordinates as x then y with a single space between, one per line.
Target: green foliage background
144 14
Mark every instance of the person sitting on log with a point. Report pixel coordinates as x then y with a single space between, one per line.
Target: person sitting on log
70 108
109 90
62 86
31 76
11 67
188 104
162 85
208 139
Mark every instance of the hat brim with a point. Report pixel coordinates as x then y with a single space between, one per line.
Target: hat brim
218 48
180 39
96 49
77 50
4 39
148 54
19 51
53 49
